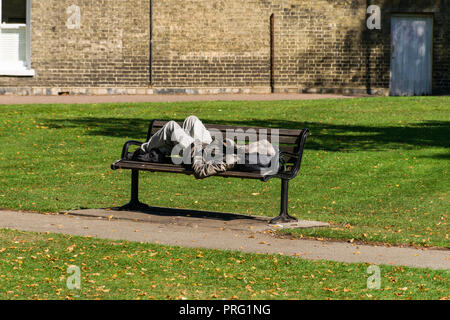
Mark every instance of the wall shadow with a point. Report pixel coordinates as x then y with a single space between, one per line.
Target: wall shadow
324 136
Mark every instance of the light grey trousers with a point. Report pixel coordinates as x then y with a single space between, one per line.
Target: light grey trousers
171 134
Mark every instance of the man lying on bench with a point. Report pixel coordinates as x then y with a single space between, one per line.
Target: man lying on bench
192 144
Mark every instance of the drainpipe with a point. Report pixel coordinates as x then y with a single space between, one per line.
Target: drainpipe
272 52
151 43
367 44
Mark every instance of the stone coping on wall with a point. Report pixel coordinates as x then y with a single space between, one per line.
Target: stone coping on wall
55 91
342 91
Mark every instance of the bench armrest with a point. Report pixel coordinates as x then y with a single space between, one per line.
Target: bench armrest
294 155
127 146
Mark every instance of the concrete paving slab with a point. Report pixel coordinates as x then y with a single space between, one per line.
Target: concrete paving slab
225 234
300 224
87 99
191 217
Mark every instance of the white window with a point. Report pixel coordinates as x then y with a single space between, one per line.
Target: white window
15 38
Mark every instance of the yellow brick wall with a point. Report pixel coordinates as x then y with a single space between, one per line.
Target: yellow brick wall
318 44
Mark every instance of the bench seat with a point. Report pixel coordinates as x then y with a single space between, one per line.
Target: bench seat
173 168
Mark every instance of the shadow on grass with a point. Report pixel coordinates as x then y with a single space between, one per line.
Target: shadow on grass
441 156
325 136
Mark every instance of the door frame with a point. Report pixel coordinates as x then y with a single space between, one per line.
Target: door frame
412 14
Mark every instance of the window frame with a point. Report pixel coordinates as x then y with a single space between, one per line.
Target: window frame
26 70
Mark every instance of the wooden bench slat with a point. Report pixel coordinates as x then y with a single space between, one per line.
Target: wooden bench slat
167 167
247 134
290 149
283 132
256 137
160 123
282 137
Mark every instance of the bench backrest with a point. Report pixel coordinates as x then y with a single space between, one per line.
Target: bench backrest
289 140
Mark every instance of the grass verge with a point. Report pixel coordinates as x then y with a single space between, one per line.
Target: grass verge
35 266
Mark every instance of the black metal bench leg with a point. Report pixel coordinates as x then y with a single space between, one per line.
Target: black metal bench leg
284 216
134 203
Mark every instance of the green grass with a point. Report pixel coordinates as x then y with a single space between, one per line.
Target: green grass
375 168
34 266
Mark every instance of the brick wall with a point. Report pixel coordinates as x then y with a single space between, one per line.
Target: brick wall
110 49
210 43
319 45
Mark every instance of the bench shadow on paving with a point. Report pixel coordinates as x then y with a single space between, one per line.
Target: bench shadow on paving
175 212
195 218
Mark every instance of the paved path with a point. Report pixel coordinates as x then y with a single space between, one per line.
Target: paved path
85 99
230 232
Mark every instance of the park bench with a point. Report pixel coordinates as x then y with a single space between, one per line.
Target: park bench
291 145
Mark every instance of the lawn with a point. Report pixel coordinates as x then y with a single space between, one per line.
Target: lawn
35 266
375 168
